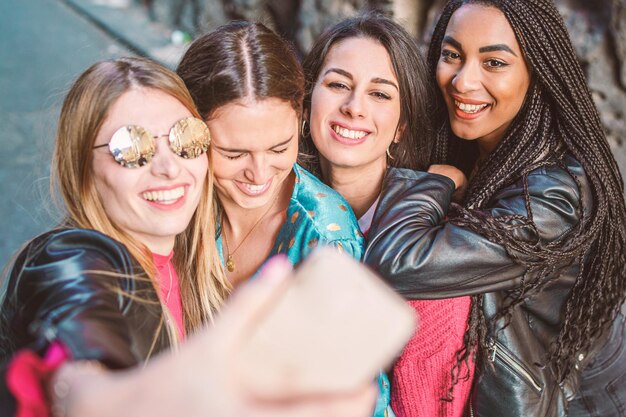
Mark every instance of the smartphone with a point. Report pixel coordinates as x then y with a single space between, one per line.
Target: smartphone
335 326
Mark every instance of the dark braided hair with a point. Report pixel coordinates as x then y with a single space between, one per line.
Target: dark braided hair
558 116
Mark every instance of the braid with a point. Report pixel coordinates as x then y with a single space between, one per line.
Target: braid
558 116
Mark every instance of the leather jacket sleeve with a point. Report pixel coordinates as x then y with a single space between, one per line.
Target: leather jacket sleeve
70 286
424 257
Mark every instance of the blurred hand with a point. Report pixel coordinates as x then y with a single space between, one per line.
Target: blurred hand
212 355
456 175
200 379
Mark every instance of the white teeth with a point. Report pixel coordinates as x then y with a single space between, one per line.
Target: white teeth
470 108
255 188
165 196
349 134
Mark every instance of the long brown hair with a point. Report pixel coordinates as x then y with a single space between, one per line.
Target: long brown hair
241 60
202 281
416 92
558 117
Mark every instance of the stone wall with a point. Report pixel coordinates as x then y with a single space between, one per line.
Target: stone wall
598 30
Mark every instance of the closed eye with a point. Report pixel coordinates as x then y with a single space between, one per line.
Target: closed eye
233 157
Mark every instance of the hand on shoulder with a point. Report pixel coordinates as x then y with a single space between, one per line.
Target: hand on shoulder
455 174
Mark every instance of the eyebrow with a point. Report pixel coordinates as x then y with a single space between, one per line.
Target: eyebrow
490 48
375 80
233 150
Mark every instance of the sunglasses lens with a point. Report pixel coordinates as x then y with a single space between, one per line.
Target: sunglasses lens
132 146
189 138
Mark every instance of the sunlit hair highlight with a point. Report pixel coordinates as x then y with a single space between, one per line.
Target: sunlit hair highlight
203 285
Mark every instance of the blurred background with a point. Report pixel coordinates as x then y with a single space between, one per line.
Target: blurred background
45 44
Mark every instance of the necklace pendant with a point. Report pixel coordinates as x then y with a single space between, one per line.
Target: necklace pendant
230 264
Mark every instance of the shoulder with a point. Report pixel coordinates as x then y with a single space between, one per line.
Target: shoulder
89 246
407 187
63 257
558 197
568 179
409 175
321 208
408 179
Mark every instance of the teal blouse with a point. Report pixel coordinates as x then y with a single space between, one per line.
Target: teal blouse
318 215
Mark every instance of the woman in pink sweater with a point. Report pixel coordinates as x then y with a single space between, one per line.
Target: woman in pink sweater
367 107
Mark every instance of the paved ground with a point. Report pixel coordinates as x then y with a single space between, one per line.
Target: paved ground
45 45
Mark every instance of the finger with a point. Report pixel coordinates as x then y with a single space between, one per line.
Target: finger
357 404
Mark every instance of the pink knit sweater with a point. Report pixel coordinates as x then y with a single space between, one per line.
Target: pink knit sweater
421 376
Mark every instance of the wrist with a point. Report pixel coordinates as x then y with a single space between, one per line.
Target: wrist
67 385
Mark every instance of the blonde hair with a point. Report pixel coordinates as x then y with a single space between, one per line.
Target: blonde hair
203 285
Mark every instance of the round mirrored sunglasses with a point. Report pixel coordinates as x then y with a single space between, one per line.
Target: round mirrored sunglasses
133 146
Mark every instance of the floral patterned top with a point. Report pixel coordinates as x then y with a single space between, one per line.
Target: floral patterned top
318 215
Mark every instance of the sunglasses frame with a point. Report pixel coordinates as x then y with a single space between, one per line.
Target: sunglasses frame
134 134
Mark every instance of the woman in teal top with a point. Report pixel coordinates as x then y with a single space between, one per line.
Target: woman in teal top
248 86
316 215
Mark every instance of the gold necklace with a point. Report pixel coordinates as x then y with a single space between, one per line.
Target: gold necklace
230 262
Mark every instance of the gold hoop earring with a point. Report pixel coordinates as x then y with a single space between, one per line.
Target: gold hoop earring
303 129
389 154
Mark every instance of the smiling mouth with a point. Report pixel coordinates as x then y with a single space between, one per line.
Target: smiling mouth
254 189
164 196
470 108
349 134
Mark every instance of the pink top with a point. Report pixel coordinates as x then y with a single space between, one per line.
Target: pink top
421 377
169 289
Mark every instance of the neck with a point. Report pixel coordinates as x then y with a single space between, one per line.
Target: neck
360 186
163 246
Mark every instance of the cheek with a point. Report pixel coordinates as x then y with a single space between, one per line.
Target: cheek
198 167
322 103
290 158
222 167
110 180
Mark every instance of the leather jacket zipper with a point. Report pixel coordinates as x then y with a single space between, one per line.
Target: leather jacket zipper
498 350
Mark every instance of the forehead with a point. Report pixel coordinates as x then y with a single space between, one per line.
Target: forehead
362 56
475 25
253 124
152 109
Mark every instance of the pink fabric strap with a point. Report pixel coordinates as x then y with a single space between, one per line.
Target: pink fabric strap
28 375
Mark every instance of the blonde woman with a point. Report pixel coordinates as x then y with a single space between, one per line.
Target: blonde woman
133 270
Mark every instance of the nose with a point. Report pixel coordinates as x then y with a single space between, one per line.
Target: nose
354 106
165 163
467 78
257 172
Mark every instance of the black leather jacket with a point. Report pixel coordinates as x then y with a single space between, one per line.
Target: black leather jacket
424 257
61 289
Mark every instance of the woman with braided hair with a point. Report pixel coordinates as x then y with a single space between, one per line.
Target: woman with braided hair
539 239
